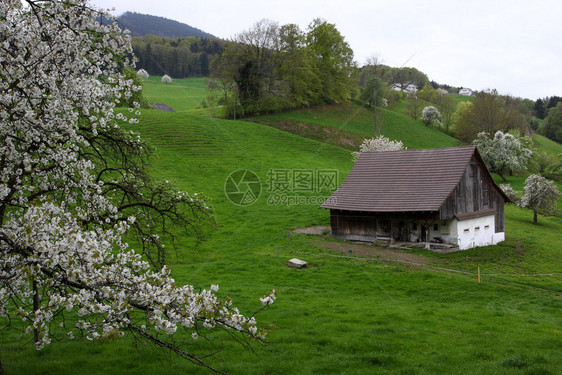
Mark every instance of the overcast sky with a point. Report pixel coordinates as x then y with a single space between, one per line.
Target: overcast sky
511 45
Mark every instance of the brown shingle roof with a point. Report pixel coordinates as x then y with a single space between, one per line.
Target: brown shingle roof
402 181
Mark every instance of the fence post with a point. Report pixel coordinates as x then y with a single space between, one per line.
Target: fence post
478 275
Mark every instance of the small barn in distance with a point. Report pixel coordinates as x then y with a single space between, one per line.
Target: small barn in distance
440 196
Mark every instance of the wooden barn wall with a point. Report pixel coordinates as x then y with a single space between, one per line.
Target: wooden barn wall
475 192
373 224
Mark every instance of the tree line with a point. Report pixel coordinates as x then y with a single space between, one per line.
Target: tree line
177 57
271 67
145 24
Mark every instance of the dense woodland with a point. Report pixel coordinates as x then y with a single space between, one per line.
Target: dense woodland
177 57
144 24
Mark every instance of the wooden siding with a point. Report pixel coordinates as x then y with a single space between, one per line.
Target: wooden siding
475 192
371 225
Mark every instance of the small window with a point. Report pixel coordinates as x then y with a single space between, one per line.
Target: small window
486 227
466 230
477 229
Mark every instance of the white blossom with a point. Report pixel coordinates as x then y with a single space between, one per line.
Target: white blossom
431 115
504 152
166 78
142 73
60 232
378 144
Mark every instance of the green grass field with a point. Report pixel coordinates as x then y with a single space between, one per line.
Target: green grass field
183 95
346 313
347 125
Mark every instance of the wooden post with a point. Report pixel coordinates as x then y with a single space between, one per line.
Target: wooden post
478 275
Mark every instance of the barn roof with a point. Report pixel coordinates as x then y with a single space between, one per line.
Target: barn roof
402 181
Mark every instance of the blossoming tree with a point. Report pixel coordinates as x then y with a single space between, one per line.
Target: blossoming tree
142 73
73 183
378 144
504 152
540 195
431 115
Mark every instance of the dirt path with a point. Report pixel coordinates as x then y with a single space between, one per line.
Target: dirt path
369 251
162 107
319 229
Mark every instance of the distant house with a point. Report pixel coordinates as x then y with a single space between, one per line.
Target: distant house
408 88
465 91
438 197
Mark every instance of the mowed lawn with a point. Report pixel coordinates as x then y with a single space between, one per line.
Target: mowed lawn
345 313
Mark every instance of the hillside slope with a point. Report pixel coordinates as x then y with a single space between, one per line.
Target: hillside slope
348 311
143 24
346 125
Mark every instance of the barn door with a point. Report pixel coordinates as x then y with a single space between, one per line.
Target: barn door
424 232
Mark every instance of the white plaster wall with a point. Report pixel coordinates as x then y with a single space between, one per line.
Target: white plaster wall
476 232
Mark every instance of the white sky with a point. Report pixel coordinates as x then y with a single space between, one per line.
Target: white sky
513 46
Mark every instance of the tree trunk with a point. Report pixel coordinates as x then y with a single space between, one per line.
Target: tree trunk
535 217
503 177
35 308
1 368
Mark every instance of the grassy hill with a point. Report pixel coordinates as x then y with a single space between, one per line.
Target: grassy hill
346 125
355 309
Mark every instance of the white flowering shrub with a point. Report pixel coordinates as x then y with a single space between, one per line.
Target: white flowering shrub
72 183
431 115
504 152
378 144
541 195
513 195
142 73
166 78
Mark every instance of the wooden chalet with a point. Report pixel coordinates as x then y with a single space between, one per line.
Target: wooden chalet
436 196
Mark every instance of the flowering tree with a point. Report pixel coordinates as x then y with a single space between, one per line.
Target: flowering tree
166 78
378 144
540 195
504 152
430 115
513 195
72 183
142 73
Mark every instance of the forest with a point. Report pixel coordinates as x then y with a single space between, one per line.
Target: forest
177 57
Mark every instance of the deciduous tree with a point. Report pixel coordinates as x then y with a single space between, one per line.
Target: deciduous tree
333 61
430 115
552 127
504 152
541 196
489 113
378 144
73 183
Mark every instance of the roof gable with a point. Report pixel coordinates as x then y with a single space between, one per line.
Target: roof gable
402 181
